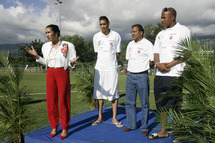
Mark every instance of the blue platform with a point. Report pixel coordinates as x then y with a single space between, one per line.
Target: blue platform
81 131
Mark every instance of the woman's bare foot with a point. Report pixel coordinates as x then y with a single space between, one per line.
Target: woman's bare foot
64 133
54 131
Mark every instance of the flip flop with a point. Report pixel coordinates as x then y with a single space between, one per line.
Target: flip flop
119 124
97 122
155 136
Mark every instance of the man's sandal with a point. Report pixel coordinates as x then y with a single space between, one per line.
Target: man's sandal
118 124
97 122
155 136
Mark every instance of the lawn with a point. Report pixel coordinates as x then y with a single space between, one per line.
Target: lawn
36 84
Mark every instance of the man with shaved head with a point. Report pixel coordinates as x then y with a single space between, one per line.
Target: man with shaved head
168 66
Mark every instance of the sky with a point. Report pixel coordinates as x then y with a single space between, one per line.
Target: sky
23 21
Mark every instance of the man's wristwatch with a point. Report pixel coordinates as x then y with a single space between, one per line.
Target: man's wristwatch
156 65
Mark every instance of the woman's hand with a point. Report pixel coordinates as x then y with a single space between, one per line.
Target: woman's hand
74 61
32 52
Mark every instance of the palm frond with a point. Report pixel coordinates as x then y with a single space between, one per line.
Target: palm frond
84 83
196 121
13 110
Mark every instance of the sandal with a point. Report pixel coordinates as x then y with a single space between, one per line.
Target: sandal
118 124
97 122
155 136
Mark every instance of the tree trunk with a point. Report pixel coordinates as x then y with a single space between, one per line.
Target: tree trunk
19 138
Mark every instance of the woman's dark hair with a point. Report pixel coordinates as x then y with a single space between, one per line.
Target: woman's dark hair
55 28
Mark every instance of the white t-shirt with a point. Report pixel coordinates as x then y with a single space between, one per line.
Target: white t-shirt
139 54
107 46
56 57
167 44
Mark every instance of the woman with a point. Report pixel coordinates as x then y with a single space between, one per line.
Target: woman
57 56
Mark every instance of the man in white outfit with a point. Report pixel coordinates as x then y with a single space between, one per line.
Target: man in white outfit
107 45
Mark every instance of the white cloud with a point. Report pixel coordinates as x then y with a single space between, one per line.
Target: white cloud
26 22
203 30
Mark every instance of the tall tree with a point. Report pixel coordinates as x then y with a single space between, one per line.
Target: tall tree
122 60
26 58
83 49
150 31
90 55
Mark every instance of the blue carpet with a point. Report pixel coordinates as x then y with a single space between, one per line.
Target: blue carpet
81 131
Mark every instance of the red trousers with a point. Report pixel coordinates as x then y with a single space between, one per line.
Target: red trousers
58 87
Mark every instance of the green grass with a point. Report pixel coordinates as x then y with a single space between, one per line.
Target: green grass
36 83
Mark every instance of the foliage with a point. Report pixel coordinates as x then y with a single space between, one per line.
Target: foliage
13 110
122 59
83 49
151 31
84 83
196 121
27 59
89 54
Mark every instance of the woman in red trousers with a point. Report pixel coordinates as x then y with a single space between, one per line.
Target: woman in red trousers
57 56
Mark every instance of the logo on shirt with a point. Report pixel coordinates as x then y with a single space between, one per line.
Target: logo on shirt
170 37
138 51
99 42
111 44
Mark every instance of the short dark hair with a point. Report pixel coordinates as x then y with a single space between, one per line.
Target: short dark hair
103 18
140 27
55 28
171 10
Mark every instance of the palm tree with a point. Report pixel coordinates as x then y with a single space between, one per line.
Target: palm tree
196 121
84 83
13 108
